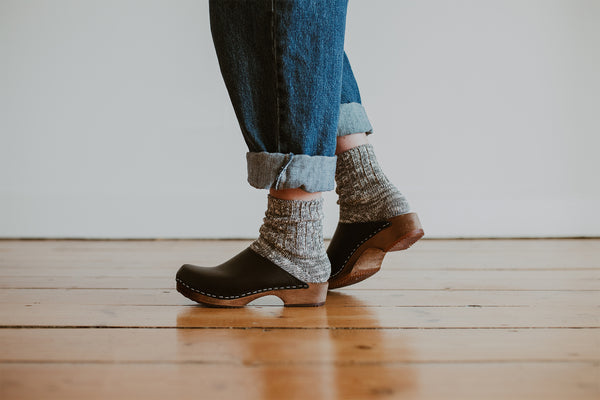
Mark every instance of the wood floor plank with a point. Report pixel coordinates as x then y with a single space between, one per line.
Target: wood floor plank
407 381
386 279
298 346
392 262
337 298
300 317
426 254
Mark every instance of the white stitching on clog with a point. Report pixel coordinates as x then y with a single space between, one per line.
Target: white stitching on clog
241 295
360 244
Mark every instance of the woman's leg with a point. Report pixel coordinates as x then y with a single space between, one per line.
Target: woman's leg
281 61
374 215
365 193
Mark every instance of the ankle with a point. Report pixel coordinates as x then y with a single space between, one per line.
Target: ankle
294 194
347 142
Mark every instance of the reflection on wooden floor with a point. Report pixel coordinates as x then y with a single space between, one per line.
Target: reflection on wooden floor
448 319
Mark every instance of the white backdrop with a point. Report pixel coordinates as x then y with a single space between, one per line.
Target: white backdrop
115 122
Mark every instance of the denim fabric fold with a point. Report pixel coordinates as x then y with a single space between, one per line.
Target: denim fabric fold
291 86
353 119
290 171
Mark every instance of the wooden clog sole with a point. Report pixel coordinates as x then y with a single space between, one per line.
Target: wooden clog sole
403 232
313 296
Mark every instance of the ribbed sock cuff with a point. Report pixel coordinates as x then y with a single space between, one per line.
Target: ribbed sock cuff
294 210
365 192
292 237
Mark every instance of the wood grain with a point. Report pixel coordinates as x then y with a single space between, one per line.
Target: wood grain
386 279
280 317
463 380
339 346
338 298
448 319
426 254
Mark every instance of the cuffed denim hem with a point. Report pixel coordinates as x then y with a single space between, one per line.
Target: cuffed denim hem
353 119
290 171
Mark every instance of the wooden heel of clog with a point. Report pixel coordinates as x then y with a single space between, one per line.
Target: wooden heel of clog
406 229
313 296
357 250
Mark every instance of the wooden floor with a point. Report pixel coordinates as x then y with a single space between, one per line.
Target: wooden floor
448 319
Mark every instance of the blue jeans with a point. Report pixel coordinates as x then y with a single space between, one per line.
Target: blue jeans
291 86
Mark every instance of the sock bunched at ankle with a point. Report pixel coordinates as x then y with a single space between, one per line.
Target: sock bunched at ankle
365 193
292 237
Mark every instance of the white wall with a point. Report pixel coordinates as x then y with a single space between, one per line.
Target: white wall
114 121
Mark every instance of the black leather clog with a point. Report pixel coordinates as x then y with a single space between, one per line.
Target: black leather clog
243 278
357 249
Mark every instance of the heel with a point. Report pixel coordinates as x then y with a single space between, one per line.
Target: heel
357 249
406 229
314 295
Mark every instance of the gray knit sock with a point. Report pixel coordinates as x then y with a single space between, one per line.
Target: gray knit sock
365 193
291 236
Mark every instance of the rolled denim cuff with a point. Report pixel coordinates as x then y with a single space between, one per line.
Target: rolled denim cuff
353 119
291 171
